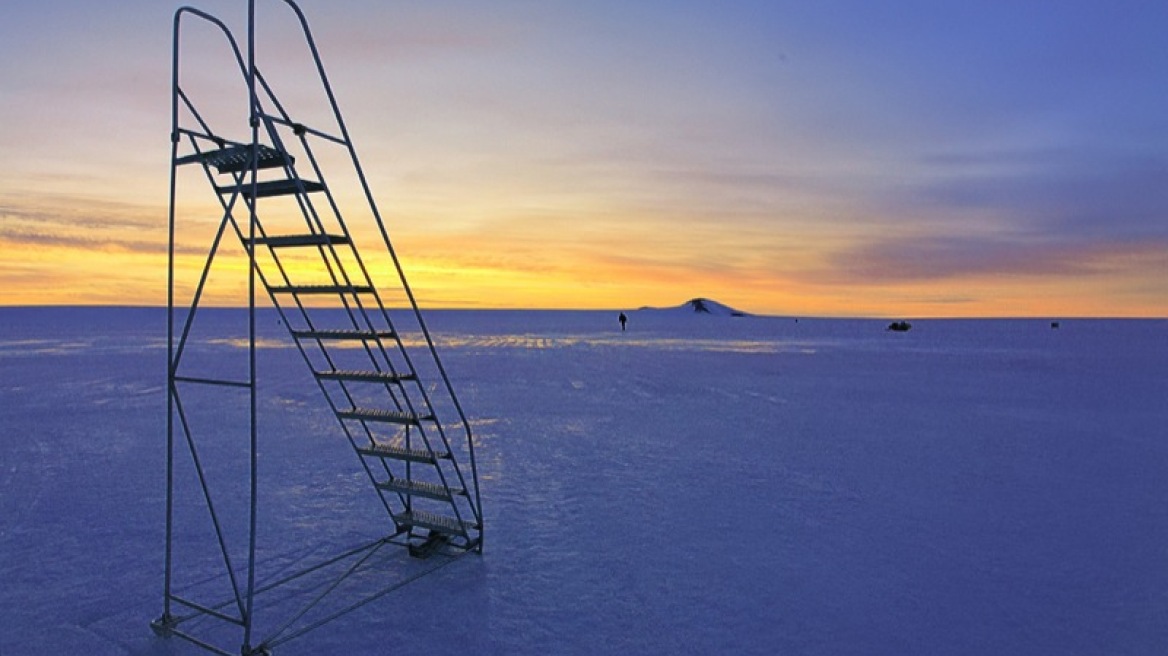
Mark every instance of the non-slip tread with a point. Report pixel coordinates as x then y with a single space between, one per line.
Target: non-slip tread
280 241
237 157
419 488
343 334
363 376
269 188
386 416
401 453
434 522
322 289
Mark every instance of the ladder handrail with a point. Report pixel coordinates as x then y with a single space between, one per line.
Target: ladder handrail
178 15
252 73
311 214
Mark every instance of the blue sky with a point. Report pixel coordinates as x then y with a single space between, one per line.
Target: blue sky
915 158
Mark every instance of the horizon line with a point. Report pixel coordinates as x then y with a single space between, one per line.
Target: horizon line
745 315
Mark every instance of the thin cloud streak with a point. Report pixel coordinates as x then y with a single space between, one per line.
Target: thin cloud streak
930 259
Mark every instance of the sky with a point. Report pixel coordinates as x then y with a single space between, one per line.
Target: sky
836 158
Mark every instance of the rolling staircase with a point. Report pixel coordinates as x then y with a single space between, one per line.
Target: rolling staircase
374 361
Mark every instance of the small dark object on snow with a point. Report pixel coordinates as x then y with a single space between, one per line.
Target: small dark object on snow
434 542
1054 325
899 326
623 320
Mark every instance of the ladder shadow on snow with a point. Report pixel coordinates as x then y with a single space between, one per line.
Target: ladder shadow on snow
301 592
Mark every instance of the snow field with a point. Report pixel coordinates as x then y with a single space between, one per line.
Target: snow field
695 485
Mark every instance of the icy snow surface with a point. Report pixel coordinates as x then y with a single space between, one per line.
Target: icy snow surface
694 485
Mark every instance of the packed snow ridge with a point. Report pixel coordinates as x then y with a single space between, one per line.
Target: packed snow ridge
702 306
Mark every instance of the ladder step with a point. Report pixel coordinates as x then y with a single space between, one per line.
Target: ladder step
272 188
343 334
322 289
434 522
387 416
420 489
236 158
302 240
364 376
400 453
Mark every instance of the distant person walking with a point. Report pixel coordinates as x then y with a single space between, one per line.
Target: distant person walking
623 319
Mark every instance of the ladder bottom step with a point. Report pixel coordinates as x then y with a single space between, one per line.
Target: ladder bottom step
440 523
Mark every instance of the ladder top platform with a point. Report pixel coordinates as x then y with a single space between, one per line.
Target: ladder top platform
237 158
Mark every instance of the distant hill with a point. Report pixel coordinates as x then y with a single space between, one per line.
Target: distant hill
701 306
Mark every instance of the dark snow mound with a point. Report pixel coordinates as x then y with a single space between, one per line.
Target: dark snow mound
701 306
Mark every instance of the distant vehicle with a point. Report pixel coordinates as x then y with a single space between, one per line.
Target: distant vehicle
900 326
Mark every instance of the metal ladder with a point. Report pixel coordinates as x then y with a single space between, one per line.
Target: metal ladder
377 366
